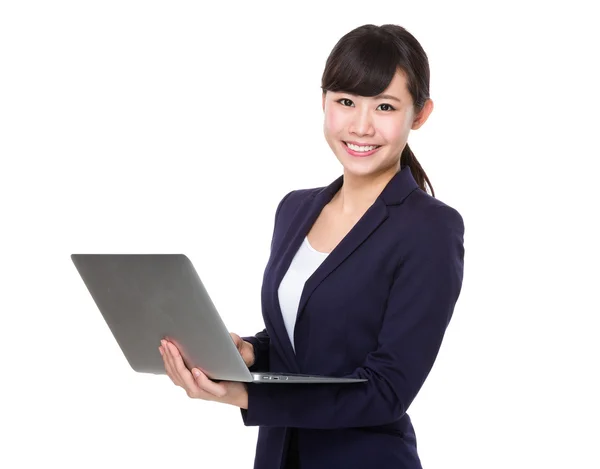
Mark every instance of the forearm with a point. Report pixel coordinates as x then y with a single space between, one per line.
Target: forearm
320 406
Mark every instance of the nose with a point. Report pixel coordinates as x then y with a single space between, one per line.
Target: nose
362 123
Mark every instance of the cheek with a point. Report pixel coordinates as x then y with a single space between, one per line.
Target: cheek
333 123
393 131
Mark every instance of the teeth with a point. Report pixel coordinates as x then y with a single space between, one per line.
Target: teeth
357 148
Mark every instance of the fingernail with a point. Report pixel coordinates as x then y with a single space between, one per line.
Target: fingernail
196 373
160 350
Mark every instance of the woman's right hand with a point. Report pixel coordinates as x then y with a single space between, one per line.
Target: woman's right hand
245 348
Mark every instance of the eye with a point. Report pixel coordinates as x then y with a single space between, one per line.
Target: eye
345 102
388 107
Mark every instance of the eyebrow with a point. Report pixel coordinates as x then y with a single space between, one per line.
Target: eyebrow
388 96
379 96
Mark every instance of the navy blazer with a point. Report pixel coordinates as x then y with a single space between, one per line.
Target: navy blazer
376 308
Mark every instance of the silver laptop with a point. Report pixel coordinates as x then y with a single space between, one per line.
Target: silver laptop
148 297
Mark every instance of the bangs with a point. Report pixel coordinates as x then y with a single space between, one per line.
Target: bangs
361 65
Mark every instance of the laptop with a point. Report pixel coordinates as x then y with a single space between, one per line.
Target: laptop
148 297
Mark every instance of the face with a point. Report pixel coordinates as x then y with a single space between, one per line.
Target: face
368 134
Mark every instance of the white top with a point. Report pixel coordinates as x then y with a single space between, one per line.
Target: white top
305 262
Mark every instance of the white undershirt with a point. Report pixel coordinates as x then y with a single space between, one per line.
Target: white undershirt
305 262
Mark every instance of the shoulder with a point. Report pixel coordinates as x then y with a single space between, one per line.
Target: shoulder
423 227
426 213
293 200
299 196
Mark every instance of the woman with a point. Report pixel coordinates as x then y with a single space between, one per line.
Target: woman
362 279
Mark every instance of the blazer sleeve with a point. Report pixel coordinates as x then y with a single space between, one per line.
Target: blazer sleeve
260 342
426 287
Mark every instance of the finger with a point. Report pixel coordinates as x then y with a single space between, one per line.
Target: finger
183 373
247 352
188 382
207 385
237 340
170 365
179 367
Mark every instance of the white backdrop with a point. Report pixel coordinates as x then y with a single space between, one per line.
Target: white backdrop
145 126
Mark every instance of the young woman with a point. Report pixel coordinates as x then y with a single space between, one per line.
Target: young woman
362 278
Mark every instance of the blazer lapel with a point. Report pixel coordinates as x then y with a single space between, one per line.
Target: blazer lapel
293 238
394 193
369 222
399 187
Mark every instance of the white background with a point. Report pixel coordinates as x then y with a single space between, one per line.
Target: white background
174 127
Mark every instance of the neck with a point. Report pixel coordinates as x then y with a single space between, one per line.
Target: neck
358 193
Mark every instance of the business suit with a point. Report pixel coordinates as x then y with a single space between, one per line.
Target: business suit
376 308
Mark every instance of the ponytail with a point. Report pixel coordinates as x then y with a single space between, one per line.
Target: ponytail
408 159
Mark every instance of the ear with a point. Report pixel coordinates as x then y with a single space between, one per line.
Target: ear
422 116
323 103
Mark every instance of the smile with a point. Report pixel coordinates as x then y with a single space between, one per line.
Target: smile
360 150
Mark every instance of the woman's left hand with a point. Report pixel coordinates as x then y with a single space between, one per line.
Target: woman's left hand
196 384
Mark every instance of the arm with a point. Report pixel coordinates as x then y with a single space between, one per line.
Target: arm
260 342
420 305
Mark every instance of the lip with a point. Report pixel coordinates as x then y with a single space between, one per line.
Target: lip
361 144
360 154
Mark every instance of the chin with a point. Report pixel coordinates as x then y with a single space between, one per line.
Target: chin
358 170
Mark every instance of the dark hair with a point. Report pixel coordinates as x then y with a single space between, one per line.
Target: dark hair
364 61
